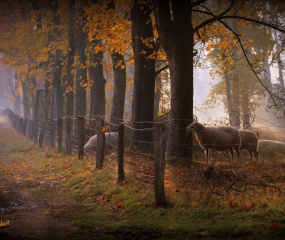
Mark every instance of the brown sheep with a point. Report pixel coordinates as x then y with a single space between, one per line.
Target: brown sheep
249 142
221 138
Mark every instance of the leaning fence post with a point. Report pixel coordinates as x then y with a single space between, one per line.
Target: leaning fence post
24 130
31 129
160 147
41 134
81 137
121 175
100 144
21 122
59 134
35 130
52 133
68 136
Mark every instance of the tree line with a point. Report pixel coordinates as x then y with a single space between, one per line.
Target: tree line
58 49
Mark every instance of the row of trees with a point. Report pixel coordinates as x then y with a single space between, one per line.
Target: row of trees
60 46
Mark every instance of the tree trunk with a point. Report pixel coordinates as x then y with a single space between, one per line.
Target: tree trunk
279 60
17 98
97 106
245 111
144 78
70 61
176 35
231 102
26 100
157 95
81 70
58 90
120 78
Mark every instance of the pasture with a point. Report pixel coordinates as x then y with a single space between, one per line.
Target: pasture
230 201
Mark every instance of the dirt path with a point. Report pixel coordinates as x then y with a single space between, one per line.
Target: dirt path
33 213
34 210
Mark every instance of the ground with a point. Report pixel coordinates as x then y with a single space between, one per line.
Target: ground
36 204
32 216
46 195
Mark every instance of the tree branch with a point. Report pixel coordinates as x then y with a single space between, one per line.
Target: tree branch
197 3
250 65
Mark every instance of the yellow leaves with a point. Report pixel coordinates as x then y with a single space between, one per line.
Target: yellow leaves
223 44
104 129
4 223
210 46
224 68
250 40
120 205
195 204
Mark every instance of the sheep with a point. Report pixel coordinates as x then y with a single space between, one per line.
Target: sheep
269 148
111 142
249 142
216 138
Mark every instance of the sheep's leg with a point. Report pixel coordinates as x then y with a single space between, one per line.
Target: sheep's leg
238 154
232 153
256 155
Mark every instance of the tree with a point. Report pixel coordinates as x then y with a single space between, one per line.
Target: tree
144 79
114 30
70 60
81 69
180 24
176 32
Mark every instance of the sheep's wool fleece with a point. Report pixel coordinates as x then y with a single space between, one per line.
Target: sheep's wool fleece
269 148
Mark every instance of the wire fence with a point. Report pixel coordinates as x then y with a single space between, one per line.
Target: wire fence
138 155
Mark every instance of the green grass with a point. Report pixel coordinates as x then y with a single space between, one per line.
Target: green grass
105 209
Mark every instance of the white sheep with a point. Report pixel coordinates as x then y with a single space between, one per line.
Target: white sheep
111 142
249 142
269 148
221 138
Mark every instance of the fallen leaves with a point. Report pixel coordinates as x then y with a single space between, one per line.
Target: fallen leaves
4 223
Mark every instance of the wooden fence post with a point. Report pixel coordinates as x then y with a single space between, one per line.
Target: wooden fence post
41 134
24 130
16 122
31 129
121 175
59 134
160 147
52 133
100 144
21 123
68 136
35 130
81 137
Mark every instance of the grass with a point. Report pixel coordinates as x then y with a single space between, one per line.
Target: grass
198 208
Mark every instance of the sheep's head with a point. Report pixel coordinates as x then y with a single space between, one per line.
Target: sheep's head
195 127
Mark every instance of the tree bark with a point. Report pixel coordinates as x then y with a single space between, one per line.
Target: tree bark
70 61
26 100
81 70
120 77
97 106
176 34
144 78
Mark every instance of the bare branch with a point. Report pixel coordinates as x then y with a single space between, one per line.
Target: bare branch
272 95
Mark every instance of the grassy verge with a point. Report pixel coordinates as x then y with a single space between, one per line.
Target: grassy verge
105 209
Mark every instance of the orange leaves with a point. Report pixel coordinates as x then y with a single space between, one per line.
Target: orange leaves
4 223
104 129
120 205
101 199
235 203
